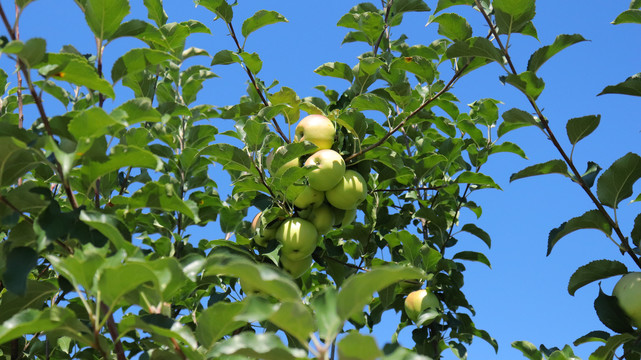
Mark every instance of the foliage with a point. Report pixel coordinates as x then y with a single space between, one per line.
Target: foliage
100 198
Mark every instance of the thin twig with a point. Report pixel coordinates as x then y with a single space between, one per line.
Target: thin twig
113 331
388 9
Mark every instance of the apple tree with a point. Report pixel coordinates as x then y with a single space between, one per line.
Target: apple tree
342 205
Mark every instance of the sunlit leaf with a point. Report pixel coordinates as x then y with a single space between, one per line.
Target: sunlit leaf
540 56
357 346
104 16
615 184
266 346
259 19
549 167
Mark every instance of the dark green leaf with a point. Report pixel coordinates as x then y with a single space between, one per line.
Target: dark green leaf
34 298
508 147
158 196
473 256
218 321
225 57
591 173
635 4
540 56
357 290
31 321
528 350
337 70
402 6
156 12
631 86
594 271
104 16
513 16
636 231
616 182
119 157
478 232
632 16
296 319
514 119
593 336
453 26
110 227
111 286
371 101
20 262
266 346
357 346
469 177
324 304
444 4
230 157
607 351
579 128
610 314
550 167
15 160
475 47
76 69
259 19
592 219
529 84
33 52
218 7
417 65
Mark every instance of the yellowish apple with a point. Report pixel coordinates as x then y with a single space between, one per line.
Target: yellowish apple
298 237
330 168
418 301
628 294
350 191
316 129
309 197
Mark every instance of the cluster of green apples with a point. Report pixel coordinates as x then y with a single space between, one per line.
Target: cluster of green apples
326 199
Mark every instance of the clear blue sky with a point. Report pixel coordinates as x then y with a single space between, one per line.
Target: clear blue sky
524 296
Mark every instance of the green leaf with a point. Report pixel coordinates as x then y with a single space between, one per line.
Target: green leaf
632 16
478 232
159 324
417 65
594 271
590 174
104 16
76 69
253 62
357 346
296 319
33 52
593 336
403 6
79 268
528 350
469 177
324 304
516 118
549 167
23 3
540 56
578 128
218 321
527 82
635 4
631 86
336 69
137 60
473 256
36 294
225 57
607 351
230 157
636 231
357 290
111 287
259 19
475 47
20 261
110 227
91 123
615 184
266 346
371 101
610 313
31 321
218 7
444 4
453 26
513 16
15 160
156 11
154 195
508 147
592 219
119 157
261 277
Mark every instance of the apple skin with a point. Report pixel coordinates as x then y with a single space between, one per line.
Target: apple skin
350 191
343 218
296 268
418 301
298 237
322 217
309 197
628 294
264 234
317 129
329 172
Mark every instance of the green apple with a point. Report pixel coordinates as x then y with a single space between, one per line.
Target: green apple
342 217
296 268
322 217
350 191
330 168
418 301
298 237
309 197
316 129
628 294
262 234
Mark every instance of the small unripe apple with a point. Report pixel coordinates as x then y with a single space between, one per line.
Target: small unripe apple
342 217
262 234
298 237
316 129
418 301
296 268
350 191
330 168
628 294
322 217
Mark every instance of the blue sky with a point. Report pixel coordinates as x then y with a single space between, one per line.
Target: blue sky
524 296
